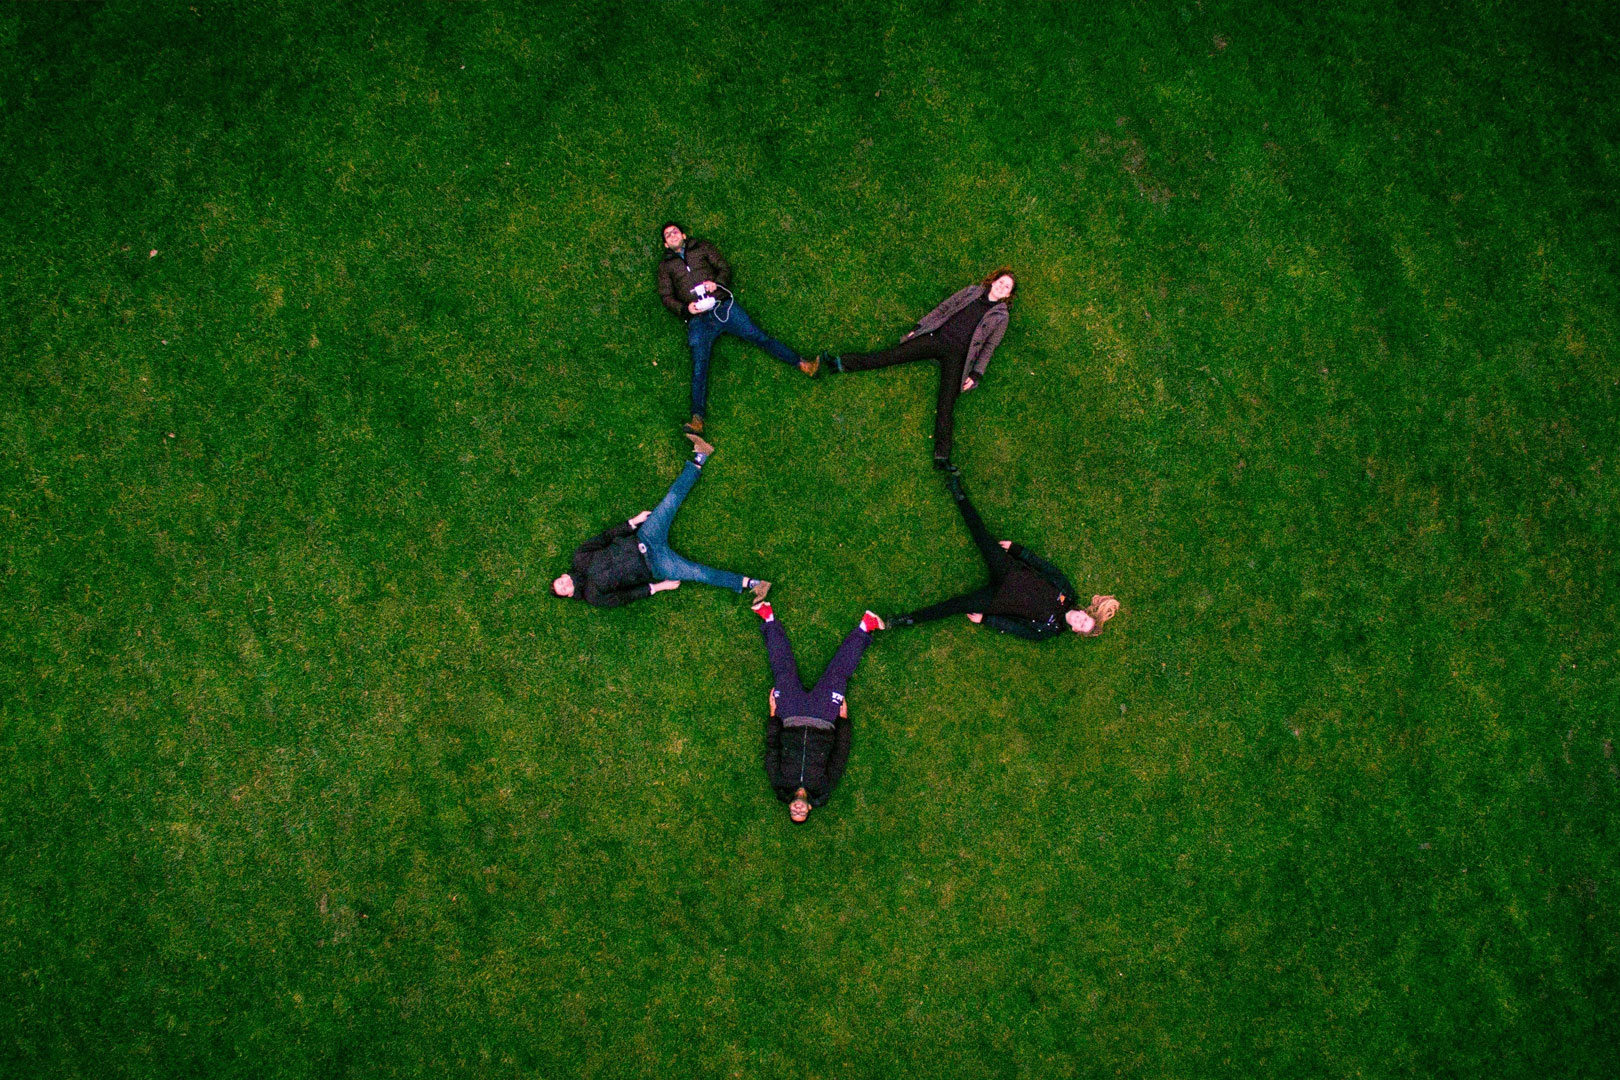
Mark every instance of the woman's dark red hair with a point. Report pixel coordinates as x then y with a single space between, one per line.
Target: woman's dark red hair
1005 271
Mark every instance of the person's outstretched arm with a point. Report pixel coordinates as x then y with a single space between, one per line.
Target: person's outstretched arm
843 739
722 269
946 308
1024 628
616 597
985 339
1051 573
666 290
773 745
606 537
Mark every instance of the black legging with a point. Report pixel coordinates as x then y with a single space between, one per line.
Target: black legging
952 362
996 560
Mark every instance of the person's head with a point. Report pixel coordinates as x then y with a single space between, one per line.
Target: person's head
1080 620
563 586
799 808
1000 285
674 235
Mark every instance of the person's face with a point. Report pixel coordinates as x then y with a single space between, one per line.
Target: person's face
1001 288
1079 621
563 586
799 808
674 238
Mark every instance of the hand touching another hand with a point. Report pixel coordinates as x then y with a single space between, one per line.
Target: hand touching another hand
636 521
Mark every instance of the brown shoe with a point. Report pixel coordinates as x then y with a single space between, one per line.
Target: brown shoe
698 445
760 589
693 426
811 367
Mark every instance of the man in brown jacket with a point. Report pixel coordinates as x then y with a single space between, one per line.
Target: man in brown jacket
694 282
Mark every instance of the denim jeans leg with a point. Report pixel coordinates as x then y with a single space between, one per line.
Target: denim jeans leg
700 335
670 565
655 530
740 325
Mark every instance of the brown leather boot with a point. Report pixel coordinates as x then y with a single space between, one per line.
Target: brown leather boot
693 426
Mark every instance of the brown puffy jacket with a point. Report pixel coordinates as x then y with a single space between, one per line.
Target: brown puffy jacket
678 271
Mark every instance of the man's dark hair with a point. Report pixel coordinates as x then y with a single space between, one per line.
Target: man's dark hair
667 224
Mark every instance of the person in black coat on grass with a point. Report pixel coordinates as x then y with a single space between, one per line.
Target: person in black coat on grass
632 560
1027 596
808 733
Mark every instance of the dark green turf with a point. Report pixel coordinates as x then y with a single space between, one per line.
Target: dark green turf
303 773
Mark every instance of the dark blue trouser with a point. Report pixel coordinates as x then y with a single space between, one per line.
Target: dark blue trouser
791 697
727 317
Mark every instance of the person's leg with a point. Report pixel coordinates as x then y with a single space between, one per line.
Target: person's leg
836 677
951 366
996 558
956 605
700 334
784 669
670 565
921 347
655 530
739 324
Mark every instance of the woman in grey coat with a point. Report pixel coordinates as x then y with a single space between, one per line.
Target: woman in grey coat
961 334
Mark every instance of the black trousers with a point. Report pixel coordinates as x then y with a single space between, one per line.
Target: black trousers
952 362
996 560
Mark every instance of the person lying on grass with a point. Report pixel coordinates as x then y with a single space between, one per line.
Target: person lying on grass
694 282
962 334
808 733
1027 596
633 560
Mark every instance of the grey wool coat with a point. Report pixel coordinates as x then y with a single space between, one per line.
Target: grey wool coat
986 336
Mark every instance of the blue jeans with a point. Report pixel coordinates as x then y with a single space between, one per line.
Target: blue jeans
727 317
666 564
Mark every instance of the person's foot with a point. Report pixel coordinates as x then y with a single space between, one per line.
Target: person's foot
943 461
1101 609
810 367
834 363
870 622
763 610
693 426
899 620
760 588
698 445
953 484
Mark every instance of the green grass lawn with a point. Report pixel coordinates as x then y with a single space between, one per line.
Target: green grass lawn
329 331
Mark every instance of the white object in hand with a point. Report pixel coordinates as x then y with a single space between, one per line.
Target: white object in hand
705 304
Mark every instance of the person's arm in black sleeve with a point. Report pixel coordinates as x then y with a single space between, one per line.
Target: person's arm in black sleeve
843 738
1051 573
773 746
666 290
1017 627
615 597
606 537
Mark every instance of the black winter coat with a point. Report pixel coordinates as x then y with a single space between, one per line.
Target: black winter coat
807 757
609 569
